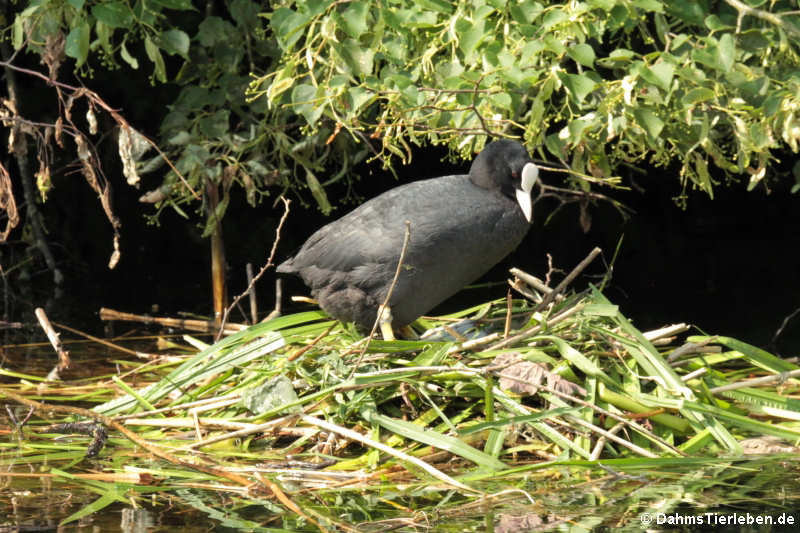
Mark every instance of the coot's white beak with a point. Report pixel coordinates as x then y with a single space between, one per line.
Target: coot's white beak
530 173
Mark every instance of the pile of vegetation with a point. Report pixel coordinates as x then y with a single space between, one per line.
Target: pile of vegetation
307 419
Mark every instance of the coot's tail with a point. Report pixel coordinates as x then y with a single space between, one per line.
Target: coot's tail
287 267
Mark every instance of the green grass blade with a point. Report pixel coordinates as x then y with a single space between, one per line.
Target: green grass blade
435 439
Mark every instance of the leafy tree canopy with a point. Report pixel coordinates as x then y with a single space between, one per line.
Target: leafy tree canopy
294 94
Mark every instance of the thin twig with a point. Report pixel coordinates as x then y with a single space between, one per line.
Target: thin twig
538 327
772 18
63 355
533 281
287 502
276 311
780 378
233 398
252 291
566 281
507 326
256 428
141 355
783 325
666 331
261 272
204 326
311 344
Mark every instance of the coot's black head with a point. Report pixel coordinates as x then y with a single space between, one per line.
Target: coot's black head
505 165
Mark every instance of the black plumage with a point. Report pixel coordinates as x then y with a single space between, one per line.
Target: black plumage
460 226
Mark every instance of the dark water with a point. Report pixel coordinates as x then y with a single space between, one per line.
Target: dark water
756 495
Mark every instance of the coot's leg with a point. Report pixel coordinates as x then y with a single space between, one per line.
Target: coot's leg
407 332
385 322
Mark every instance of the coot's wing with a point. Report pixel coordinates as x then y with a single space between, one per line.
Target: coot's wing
371 236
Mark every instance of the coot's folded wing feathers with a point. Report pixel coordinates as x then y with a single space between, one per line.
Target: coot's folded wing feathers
371 234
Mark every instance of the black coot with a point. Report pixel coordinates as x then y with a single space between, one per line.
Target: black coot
461 226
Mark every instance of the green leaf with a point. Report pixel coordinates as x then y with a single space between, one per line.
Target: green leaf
526 11
706 57
516 420
701 168
245 13
605 5
357 57
303 101
659 74
714 23
502 101
318 192
555 145
442 6
754 40
215 125
759 136
601 309
175 42
358 96
77 45
554 45
282 81
422 19
354 19
554 17
77 4
621 54
576 129
578 85
159 71
411 95
102 502
174 4
586 365
193 98
697 95
726 51
754 354
470 36
690 11
179 139
434 438
104 37
582 54
288 26
18 33
649 5
214 30
113 14
649 121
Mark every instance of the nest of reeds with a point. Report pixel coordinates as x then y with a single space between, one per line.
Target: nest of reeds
302 407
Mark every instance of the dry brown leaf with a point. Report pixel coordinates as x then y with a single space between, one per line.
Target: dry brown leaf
526 378
765 445
7 203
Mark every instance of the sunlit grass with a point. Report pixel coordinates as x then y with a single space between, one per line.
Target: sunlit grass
305 416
